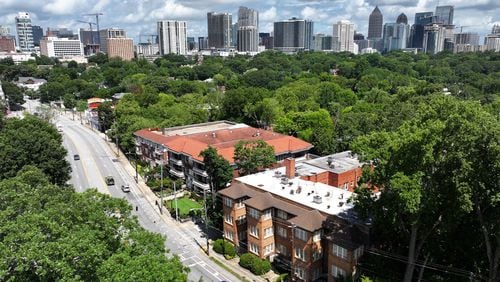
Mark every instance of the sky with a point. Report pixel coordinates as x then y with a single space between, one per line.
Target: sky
140 16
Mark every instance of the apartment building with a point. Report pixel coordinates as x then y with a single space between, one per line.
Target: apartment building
295 217
179 148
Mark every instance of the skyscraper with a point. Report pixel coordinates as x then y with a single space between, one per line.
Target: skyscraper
444 15
395 36
110 33
417 30
248 30
202 43
434 37
323 42
37 34
375 24
293 35
172 36
402 18
343 37
24 31
219 30
495 29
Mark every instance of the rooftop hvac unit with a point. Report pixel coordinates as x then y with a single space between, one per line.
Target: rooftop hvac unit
317 199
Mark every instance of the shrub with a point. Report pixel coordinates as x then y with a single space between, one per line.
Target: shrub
260 266
246 260
218 246
229 250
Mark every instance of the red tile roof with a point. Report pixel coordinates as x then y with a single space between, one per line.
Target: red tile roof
224 141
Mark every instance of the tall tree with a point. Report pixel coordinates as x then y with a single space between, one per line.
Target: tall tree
105 115
219 170
250 156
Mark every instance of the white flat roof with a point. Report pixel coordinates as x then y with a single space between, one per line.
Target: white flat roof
200 128
304 192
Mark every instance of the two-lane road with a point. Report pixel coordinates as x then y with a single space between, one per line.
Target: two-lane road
97 161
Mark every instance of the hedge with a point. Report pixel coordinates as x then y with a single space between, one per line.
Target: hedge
255 264
221 246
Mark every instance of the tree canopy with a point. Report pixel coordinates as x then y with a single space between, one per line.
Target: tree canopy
250 156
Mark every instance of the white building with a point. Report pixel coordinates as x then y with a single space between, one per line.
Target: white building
30 83
24 32
172 37
54 47
343 37
17 57
434 37
248 30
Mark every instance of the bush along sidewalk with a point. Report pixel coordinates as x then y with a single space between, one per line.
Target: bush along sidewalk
225 248
255 264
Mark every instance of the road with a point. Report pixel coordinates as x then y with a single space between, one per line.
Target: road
97 161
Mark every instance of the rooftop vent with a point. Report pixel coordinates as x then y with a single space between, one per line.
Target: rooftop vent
317 199
284 180
327 194
329 161
214 135
341 196
341 203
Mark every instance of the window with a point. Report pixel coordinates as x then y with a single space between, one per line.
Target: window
229 235
317 236
268 232
282 214
300 254
241 219
254 231
300 234
240 205
337 271
266 214
299 272
254 248
282 249
317 254
228 202
253 213
339 251
316 273
228 219
359 252
282 232
268 249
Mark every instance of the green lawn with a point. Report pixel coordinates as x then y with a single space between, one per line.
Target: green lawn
184 205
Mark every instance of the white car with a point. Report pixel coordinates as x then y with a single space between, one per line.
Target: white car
59 128
126 188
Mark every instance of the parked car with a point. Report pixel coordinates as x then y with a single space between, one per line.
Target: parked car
126 188
59 128
76 157
109 180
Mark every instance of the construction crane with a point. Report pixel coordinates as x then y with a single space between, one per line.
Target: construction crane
462 27
91 30
148 35
97 24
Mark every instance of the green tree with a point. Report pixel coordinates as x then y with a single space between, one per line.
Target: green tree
106 116
219 170
12 92
32 141
250 156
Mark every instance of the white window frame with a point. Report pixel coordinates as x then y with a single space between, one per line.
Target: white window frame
299 272
301 234
337 271
282 249
254 231
268 232
317 254
317 236
359 252
282 232
300 254
253 213
253 248
240 205
282 214
267 214
340 252
228 219
229 235
268 249
228 202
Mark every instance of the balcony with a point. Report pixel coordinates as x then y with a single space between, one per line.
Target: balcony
200 171
175 162
159 152
138 151
177 173
201 185
137 142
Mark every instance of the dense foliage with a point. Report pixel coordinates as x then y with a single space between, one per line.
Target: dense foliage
225 248
255 264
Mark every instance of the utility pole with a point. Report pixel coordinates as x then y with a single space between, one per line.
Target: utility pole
175 199
206 219
161 186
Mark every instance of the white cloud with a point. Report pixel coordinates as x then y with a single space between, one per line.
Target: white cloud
310 13
173 10
268 15
63 7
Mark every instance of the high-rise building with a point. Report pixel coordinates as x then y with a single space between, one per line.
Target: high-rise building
248 30
110 33
90 40
492 41
471 38
37 34
395 36
434 38
4 30
24 31
172 37
444 15
417 30
120 48
202 43
7 43
323 42
192 44
61 32
266 40
60 47
146 49
495 29
402 19
375 23
234 34
343 37
293 35
219 30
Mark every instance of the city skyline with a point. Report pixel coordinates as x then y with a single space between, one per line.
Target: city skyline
140 17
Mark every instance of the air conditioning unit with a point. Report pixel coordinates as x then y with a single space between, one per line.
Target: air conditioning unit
317 199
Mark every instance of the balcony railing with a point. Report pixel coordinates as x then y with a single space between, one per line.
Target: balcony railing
200 171
176 162
204 186
138 151
177 173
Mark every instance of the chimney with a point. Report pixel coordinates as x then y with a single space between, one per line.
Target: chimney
163 131
290 167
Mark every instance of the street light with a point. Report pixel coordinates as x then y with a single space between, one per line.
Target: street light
136 171
175 200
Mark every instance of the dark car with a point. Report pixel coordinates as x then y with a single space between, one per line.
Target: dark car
109 180
126 188
76 157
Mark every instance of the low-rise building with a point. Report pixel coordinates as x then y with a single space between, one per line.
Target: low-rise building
30 83
179 148
7 43
296 217
55 47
